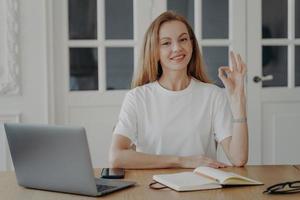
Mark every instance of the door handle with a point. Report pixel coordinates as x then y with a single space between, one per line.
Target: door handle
258 79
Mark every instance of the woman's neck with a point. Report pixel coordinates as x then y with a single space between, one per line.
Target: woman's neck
174 81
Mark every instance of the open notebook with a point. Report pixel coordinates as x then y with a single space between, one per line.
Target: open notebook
202 178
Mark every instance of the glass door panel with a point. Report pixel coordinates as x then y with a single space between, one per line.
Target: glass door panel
215 19
215 57
118 19
275 64
83 69
185 8
82 19
119 68
274 18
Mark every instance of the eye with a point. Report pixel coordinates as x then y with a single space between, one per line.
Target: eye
183 39
166 43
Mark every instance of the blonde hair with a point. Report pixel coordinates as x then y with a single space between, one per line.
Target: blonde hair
150 69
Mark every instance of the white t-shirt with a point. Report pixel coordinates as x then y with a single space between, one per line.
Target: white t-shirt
183 123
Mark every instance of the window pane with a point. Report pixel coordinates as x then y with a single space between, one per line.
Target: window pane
82 19
215 19
275 63
274 18
119 19
83 69
297 65
297 18
119 68
185 8
214 57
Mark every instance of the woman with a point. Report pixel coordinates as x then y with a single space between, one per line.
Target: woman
173 116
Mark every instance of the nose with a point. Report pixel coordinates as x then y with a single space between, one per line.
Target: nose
176 46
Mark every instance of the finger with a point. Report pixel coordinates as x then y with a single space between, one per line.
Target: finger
223 164
221 73
220 164
239 63
213 165
224 70
233 61
217 163
244 68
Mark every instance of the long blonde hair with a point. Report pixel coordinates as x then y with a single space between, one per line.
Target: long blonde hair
150 69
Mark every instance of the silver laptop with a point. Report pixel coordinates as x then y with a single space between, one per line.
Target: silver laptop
56 158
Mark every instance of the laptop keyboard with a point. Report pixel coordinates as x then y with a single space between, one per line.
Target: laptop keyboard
101 188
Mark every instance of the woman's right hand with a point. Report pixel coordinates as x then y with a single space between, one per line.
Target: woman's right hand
200 160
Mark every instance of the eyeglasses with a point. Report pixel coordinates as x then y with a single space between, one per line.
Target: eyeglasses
284 188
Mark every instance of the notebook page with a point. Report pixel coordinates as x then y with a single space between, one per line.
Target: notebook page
222 176
185 181
217 174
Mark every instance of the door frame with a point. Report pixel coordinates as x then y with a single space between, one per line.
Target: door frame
253 89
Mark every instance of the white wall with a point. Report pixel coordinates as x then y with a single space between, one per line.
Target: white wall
32 103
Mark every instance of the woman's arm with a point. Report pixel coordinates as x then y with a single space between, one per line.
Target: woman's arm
122 155
236 147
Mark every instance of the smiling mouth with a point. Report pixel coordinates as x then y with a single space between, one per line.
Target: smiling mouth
178 58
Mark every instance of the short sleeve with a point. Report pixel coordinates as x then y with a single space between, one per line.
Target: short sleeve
222 126
127 121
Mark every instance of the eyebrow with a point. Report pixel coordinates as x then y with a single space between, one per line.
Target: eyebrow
178 36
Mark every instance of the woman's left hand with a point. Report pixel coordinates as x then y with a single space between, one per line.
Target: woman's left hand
233 80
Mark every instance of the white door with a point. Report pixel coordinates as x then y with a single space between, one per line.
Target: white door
96 47
273 80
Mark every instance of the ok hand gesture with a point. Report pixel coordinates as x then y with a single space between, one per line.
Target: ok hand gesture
233 80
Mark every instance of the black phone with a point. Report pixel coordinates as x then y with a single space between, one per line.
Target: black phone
113 173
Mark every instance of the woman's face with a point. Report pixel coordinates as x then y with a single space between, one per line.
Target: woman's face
175 46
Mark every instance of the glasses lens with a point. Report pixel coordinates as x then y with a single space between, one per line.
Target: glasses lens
277 187
295 184
280 188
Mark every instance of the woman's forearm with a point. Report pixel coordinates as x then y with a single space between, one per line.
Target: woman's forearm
239 143
131 159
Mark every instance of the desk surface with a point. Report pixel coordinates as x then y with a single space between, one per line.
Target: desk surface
297 166
267 174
